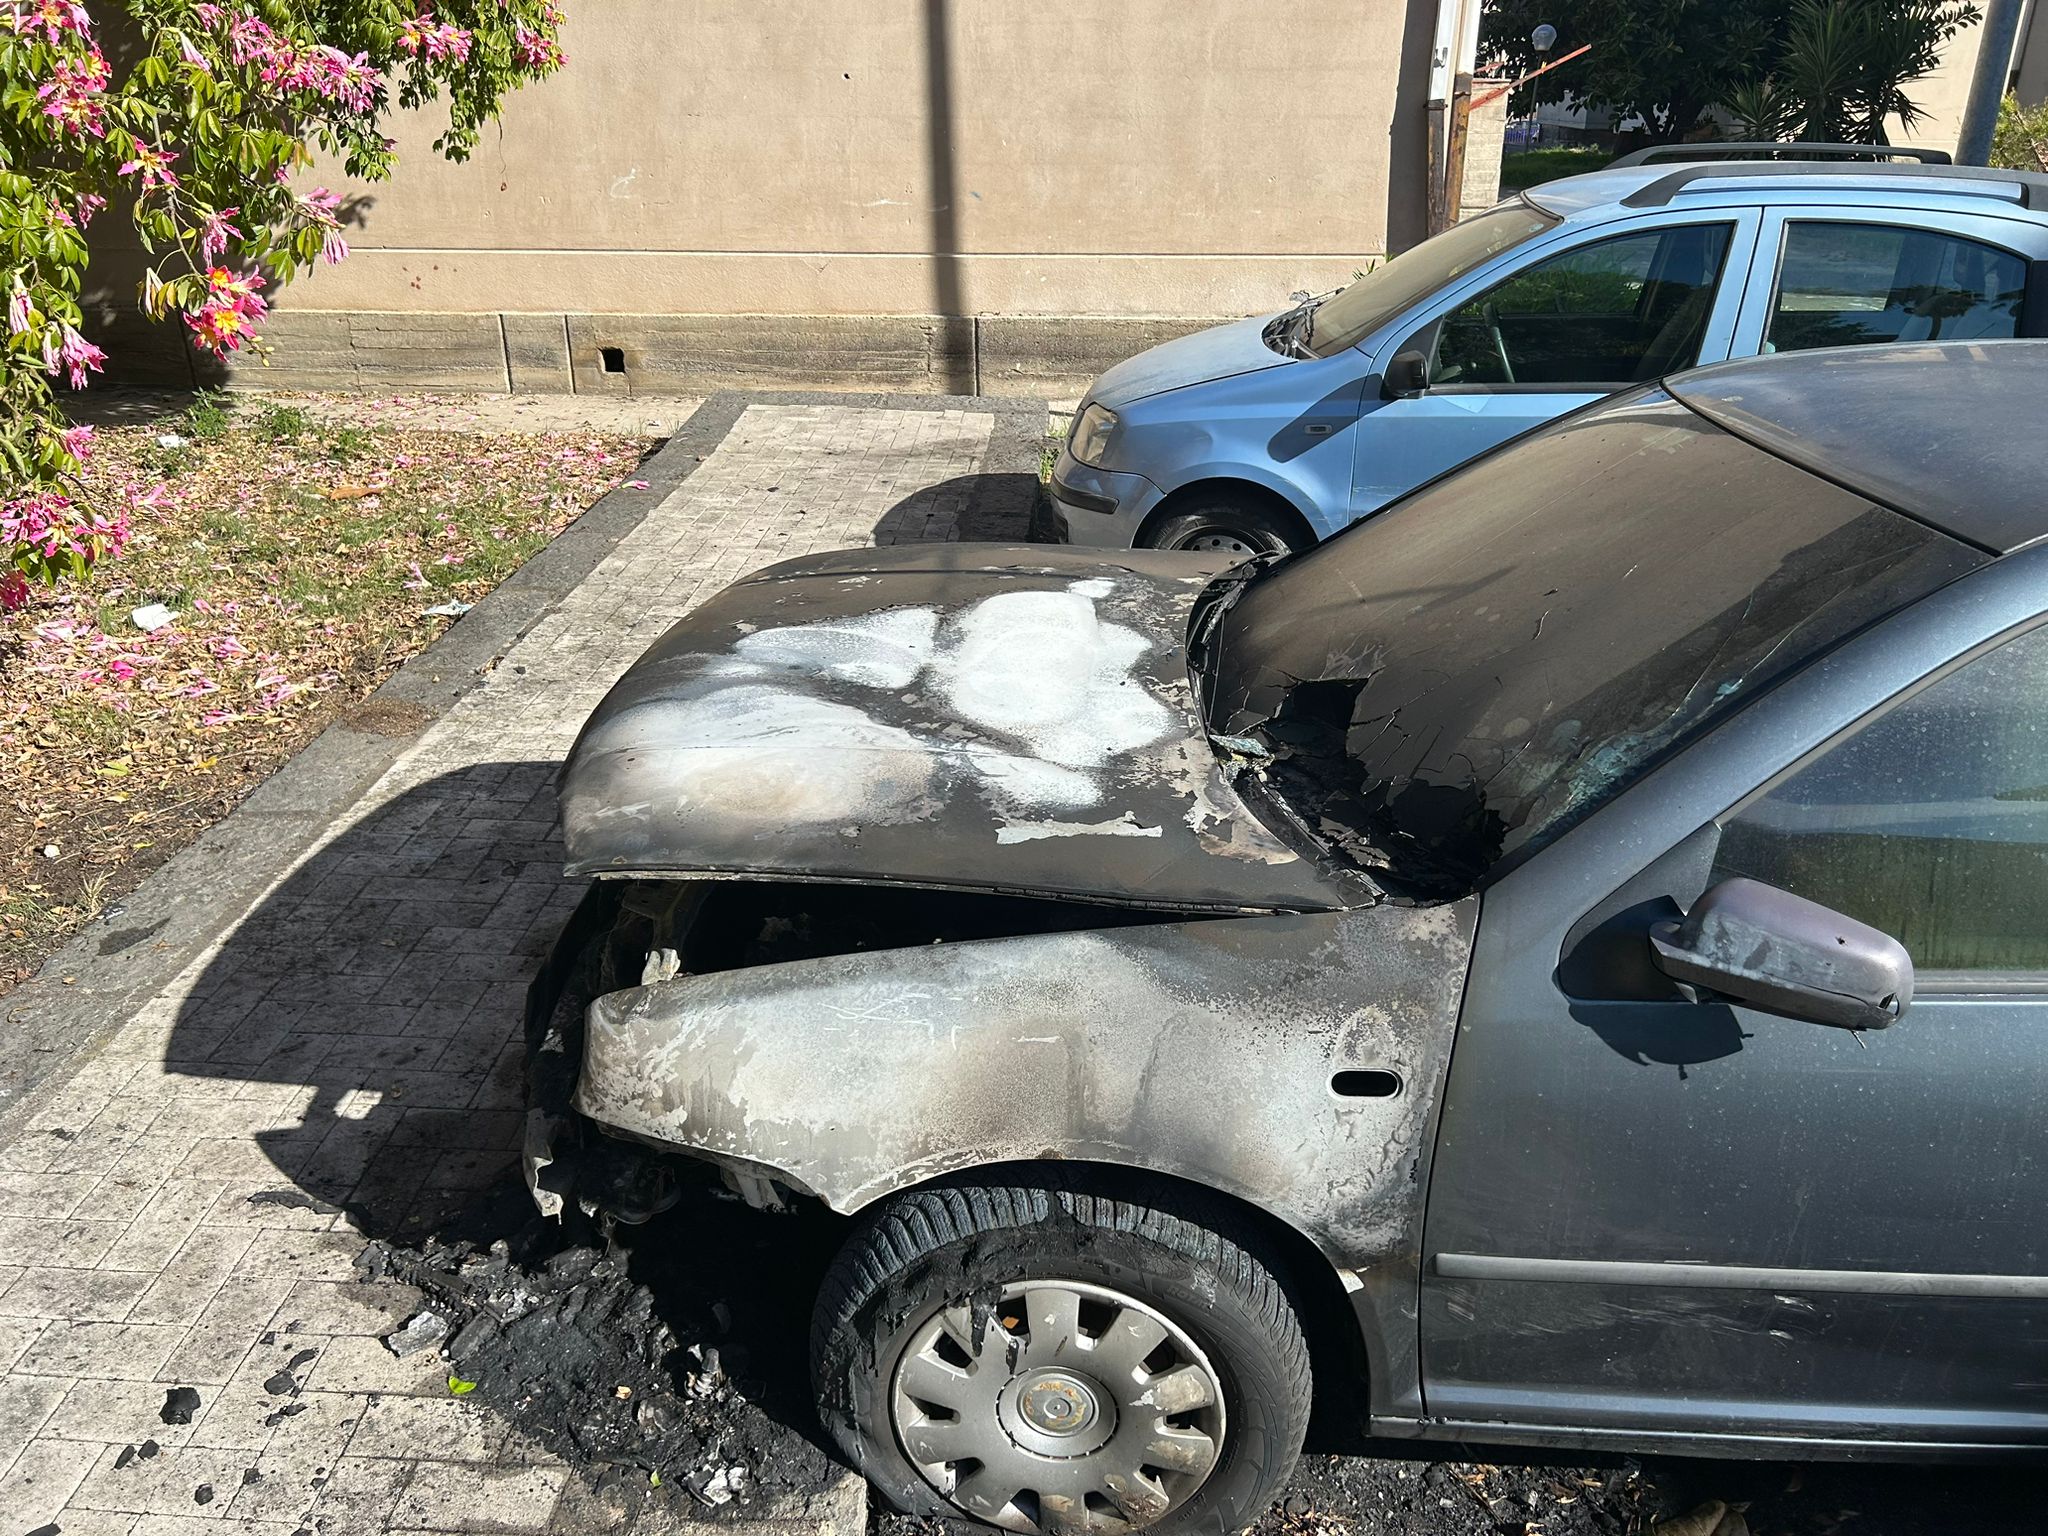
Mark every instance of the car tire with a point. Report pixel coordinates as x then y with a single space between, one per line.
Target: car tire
1231 524
934 1267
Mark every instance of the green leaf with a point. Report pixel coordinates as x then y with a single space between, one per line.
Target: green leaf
460 1387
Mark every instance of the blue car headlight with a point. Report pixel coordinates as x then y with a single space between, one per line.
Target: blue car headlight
1094 429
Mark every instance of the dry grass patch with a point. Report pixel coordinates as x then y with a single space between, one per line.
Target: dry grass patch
298 561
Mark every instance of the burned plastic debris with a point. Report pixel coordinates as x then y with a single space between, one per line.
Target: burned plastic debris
286 1383
569 1347
423 1328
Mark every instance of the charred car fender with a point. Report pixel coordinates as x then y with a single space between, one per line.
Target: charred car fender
1209 1050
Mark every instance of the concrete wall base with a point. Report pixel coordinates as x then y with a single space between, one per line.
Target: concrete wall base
1051 357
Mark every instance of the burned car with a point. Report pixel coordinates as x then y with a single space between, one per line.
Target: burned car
1564 957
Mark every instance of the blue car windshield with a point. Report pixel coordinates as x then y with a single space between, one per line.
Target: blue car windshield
1452 683
1393 287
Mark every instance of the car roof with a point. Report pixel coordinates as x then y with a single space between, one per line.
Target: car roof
1945 432
1657 185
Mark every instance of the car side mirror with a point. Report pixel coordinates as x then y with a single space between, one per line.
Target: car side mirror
1768 949
1407 376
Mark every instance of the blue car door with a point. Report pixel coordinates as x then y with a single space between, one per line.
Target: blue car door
1842 275
1505 352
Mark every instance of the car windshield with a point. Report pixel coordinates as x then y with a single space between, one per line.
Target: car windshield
1351 314
1456 681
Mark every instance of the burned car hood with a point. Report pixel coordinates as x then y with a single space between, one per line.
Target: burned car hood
984 717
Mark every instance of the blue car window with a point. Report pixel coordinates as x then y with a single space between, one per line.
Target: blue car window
1930 821
1397 285
1845 285
1615 312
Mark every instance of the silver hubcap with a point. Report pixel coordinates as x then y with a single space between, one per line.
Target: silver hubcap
1074 1409
1215 541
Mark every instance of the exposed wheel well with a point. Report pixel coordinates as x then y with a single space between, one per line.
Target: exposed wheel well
1336 1346
1250 491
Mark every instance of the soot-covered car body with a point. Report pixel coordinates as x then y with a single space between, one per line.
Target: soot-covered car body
1000 746
1406 955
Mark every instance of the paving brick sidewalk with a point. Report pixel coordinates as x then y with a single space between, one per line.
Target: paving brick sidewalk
173 1214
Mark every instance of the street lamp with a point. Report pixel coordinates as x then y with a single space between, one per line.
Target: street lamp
1543 39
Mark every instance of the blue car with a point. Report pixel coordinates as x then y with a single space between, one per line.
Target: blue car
1272 433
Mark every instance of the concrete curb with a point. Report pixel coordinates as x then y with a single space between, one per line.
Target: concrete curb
48 1026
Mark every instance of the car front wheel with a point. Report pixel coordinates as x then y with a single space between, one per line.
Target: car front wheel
1045 1360
1226 524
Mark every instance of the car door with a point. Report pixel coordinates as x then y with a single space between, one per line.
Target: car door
1831 277
1649 1214
1625 304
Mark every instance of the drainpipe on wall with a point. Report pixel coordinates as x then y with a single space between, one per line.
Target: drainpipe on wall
1452 60
1443 52
1988 83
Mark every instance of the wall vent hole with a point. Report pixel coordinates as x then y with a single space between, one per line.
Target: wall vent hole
1366 1085
614 359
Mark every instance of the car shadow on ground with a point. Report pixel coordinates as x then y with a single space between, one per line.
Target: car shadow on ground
1000 507
369 1016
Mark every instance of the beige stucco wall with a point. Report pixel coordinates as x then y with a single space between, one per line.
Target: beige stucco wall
1089 157
1943 94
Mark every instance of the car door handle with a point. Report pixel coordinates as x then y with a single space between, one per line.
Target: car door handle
1318 429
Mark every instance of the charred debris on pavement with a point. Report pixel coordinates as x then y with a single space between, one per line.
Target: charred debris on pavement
624 1358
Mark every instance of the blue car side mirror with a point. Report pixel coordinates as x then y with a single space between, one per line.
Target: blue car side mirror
1407 376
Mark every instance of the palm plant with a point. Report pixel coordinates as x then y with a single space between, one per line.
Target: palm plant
1843 69
1902 42
1761 111
1824 64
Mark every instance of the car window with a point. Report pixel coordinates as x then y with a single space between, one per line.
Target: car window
1396 286
1930 822
1617 311
1453 682
1845 285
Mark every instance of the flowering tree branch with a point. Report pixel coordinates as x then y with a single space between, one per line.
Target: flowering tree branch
201 140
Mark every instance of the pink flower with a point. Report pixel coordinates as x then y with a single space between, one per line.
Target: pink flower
18 314
227 315
435 39
154 164
55 17
71 96
13 591
250 41
333 249
215 231
322 201
77 442
76 354
50 524
89 205
535 50
332 74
